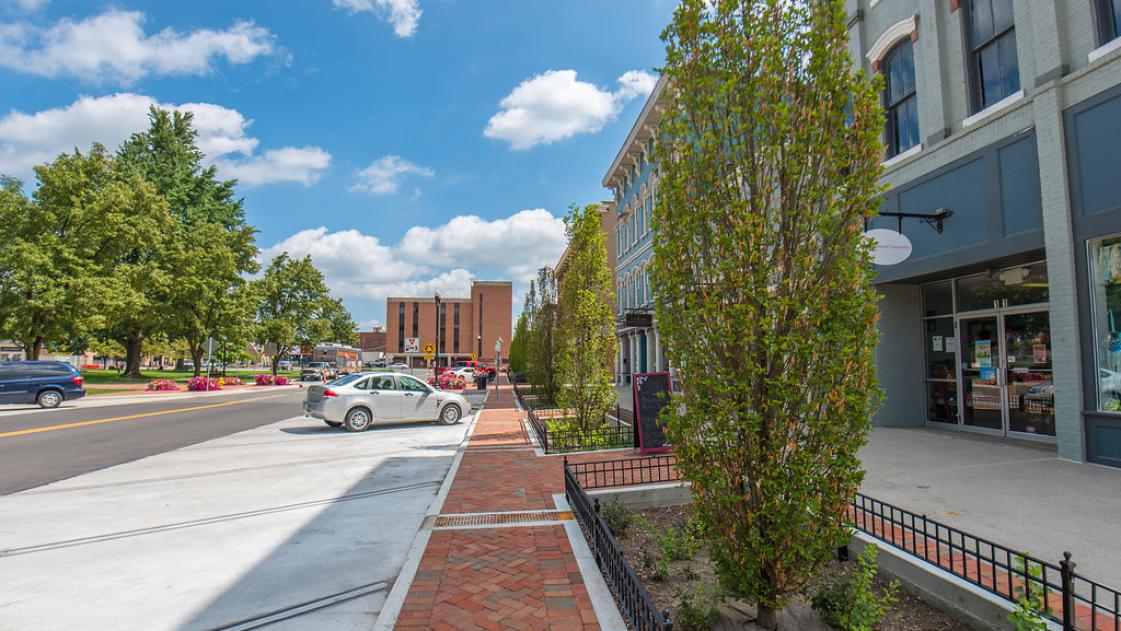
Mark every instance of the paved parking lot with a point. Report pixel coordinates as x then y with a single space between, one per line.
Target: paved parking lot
290 521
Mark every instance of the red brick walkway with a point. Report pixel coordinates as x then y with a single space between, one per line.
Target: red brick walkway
503 577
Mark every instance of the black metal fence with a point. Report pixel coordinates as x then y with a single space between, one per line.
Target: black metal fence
1077 602
558 439
634 602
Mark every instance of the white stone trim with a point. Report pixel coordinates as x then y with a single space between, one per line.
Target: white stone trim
1105 49
994 108
892 36
899 157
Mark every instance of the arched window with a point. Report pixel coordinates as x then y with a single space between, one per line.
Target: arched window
901 106
646 283
640 287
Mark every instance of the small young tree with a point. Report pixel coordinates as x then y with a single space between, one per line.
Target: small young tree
769 157
585 330
541 356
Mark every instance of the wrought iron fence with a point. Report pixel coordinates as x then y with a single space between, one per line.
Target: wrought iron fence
1075 601
634 601
560 439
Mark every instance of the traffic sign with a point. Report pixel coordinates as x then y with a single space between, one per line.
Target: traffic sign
429 356
429 348
474 356
412 344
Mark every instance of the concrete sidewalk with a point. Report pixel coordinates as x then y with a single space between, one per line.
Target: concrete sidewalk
290 521
1016 494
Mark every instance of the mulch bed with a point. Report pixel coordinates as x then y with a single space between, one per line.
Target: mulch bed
694 575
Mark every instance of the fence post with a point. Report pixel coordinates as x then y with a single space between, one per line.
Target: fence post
1067 567
595 532
667 623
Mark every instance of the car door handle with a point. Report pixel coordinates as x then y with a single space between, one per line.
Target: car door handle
409 394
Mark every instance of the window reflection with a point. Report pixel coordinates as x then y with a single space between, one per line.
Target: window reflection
1105 273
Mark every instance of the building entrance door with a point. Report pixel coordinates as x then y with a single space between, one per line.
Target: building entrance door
1005 373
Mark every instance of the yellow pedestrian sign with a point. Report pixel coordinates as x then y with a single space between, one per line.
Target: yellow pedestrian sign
429 356
429 348
474 356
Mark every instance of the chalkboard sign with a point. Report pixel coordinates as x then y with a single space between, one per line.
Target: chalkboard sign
651 394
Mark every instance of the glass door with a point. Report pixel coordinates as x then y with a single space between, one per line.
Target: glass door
982 382
1031 391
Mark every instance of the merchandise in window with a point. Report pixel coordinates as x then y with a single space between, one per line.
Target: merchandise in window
995 64
1105 290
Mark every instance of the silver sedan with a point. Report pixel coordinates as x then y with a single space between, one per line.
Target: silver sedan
356 402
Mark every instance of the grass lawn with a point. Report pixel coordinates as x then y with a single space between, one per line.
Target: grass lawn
179 376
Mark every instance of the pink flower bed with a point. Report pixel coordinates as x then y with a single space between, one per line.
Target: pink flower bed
448 381
162 385
203 384
269 380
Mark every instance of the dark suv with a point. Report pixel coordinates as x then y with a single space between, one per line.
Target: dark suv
45 383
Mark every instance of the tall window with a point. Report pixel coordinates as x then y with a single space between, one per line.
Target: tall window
1109 19
443 327
455 329
400 327
1105 283
901 106
994 64
647 208
416 319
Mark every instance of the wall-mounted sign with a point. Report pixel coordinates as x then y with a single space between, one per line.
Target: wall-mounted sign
412 344
888 246
638 320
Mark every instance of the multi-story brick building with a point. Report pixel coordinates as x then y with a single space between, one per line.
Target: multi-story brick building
1007 321
372 341
467 325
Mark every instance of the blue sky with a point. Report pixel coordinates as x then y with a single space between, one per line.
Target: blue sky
404 144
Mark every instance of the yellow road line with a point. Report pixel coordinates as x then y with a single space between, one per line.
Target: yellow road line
53 428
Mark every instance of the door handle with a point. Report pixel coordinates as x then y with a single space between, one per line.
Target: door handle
409 394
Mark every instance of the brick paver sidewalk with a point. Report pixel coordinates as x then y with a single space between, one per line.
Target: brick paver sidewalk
500 576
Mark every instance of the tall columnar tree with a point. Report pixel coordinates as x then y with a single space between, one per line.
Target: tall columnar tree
73 257
541 353
769 156
292 297
586 327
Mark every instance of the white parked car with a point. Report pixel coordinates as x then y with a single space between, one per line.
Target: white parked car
358 401
398 366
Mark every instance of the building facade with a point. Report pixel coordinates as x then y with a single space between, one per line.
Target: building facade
1006 318
633 180
1008 114
372 341
466 325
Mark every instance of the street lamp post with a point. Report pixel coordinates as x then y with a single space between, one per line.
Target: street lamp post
436 366
497 361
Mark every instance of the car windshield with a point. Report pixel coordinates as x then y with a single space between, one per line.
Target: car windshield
342 381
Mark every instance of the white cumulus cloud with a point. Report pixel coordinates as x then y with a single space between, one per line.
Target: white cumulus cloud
385 174
556 105
404 15
30 139
113 47
364 271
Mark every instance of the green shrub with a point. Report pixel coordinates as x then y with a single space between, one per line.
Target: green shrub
848 602
678 544
618 517
1031 610
696 611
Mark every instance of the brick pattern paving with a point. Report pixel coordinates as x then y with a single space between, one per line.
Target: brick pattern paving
506 577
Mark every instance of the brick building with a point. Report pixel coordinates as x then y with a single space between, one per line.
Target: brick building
372 341
468 325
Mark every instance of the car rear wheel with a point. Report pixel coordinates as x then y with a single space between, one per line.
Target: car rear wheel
333 423
357 420
450 414
49 399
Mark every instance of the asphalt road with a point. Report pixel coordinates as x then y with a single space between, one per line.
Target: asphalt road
38 447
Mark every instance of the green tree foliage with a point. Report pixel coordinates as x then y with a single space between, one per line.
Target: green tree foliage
340 326
586 326
205 253
518 344
73 257
291 300
540 355
769 157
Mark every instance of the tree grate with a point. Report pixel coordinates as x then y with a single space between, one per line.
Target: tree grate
499 519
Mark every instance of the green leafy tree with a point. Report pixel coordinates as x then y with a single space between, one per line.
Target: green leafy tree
586 327
291 297
540 355
201 262
517 353
340 325
769 157
72 257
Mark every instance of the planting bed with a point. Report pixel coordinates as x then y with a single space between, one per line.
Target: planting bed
668 581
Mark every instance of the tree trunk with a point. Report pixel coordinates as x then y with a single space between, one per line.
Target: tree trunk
276 363
33 349
767 617
196 357
133 347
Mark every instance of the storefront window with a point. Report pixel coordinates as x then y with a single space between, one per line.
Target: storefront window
1022 285
938 298
1105 284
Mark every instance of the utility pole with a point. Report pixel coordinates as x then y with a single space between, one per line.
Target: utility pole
436 366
